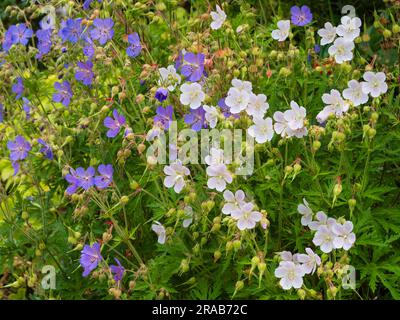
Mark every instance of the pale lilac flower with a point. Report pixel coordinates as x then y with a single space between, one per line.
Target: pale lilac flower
341 50
176 174
327 34
169 77
245 215
192 95
218 18
211 115
324 238
219 176
349 28
355 93
237 100
335 105
103 30
159 229
306 212
283 30
344 237
103 180
291 275
322 220
374 84
257 106
232 201
309 261
262 129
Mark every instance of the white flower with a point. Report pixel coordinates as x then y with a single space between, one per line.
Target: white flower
188 216
283 32
288 256
233 201
342 50
219 177
262 129
257 106
335 105
242 85
245 216
327 34
309 261
218 18
169 78
375 84
322 220
159 229
281 125
192 95
291 275
295 117
324 238
211 115
344 237
237 100
354 93
306 213
176 173
349 28
216 156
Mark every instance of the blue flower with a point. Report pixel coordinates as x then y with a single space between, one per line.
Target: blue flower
18 88
63 94
161 94
44 43
19 33
85 73
27 107
90 258
71 30
103 30
46 150
135 47
196 118
118 270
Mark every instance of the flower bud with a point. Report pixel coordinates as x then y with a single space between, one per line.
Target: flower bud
396 28
217 255
301 294
387 33
237 244
124 200
184 267
296 168
239 285
316 145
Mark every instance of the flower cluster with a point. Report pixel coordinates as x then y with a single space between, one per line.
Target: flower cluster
85 179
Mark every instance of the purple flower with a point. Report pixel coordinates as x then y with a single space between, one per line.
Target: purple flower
301 16
135 47
64 93
73 179
27 107
118 270
164 116
19 148
46 150
317 48
16 166
85 73
71 30
106 175
85 177
44 43
88 51
196 118
90 258
193 66
18 88
161 94
87 4
1 113
103 30
226 110
114 124
19 33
